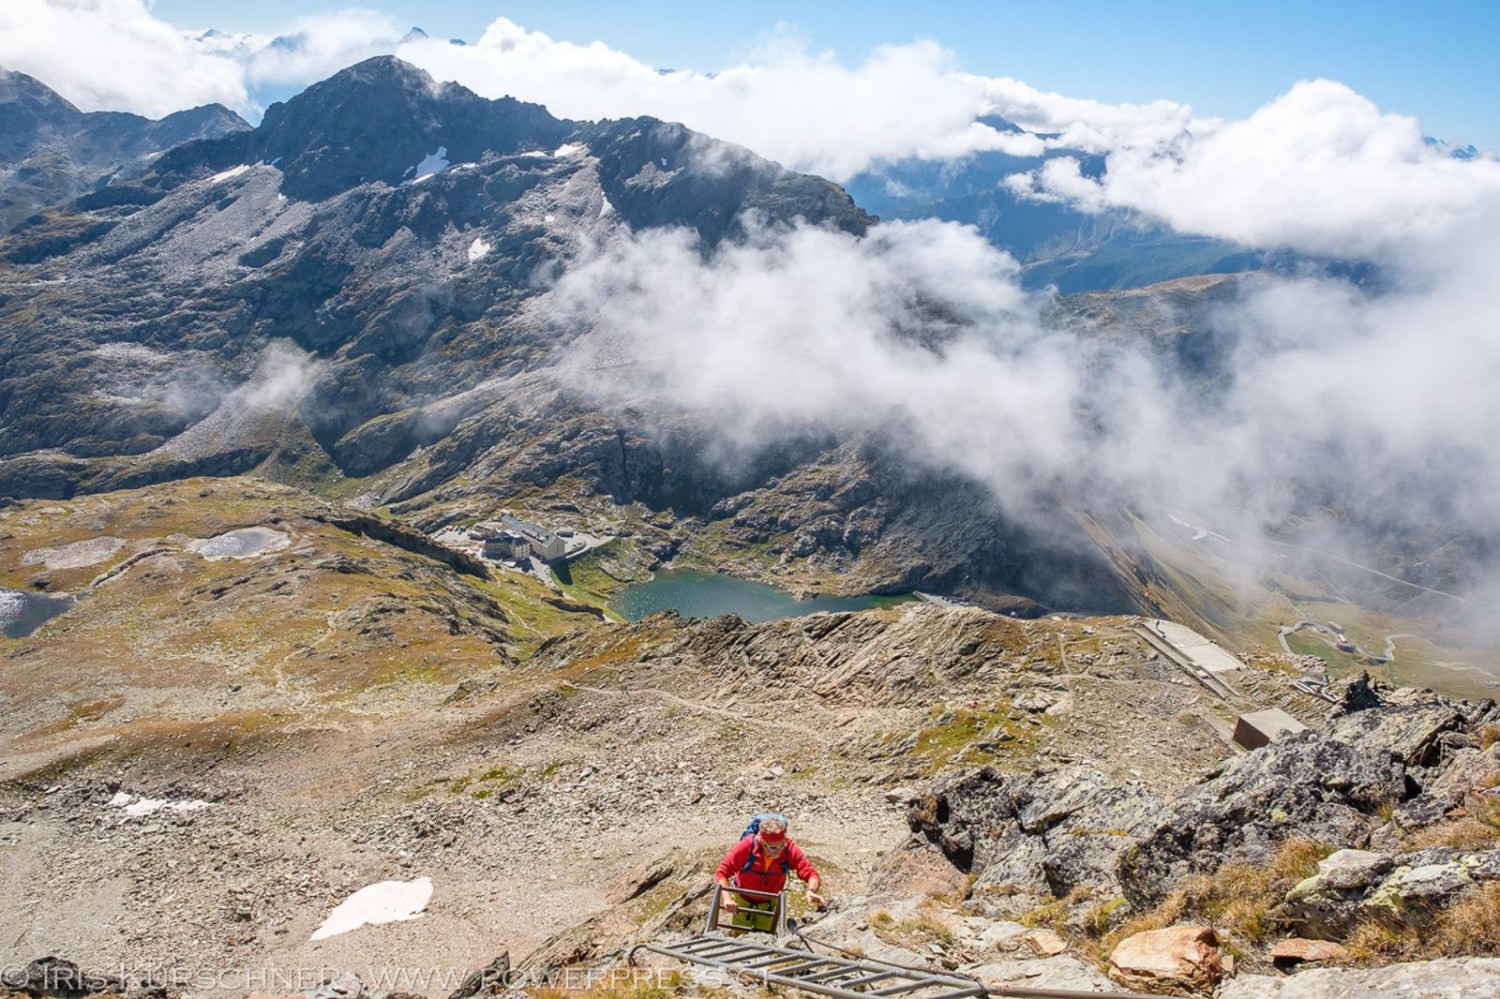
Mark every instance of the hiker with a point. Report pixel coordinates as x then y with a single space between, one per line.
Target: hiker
761 861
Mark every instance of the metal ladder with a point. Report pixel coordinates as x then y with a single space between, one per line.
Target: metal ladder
830 976
772 964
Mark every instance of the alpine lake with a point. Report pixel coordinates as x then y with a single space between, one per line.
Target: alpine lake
694 593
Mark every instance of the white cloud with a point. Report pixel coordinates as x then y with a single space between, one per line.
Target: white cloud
1320 169
803 109
315 47
815 328
1378 402
113 55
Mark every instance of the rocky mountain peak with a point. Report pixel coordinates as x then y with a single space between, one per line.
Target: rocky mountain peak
21 92
375 121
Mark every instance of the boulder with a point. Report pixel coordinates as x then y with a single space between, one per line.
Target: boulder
1303 785
1045 943
1169 961
917 868
1405 889
1411 893
1297 950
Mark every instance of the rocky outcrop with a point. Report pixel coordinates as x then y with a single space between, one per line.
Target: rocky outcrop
1406 890
1049 831
1410 723
1055 831
393 533
1305 785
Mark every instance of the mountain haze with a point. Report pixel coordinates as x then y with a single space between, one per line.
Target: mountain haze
397 292
50 152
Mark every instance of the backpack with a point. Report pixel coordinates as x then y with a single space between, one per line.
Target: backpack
754 827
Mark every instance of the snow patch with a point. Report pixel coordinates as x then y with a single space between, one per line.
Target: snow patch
479 249
569 149
605 208
384 902
229 174
549 218
137 808
431 166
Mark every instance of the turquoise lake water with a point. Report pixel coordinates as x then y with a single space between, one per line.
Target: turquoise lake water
706 594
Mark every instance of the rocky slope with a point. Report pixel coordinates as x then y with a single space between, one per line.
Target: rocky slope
407 280
50 152
228 734
308 298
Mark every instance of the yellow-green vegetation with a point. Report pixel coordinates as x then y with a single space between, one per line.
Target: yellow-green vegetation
970 736
1488 736
1236 899
1302 645
588 580
480 786
1470 926
1053 915
325 624
915 932
533 619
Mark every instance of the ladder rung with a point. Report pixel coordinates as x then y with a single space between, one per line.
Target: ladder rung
824 976
815 962
898 989
875 978
718 953
767 962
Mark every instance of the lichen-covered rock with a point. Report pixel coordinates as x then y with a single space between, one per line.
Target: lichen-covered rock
1048 831
1305 785
1327 905
1409 722
1404 889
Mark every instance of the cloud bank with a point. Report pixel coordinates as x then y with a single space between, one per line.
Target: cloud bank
1376 401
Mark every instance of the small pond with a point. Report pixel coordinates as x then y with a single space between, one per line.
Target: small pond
707 594
243 543
21 612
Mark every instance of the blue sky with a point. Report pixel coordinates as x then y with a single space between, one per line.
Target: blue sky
1434 61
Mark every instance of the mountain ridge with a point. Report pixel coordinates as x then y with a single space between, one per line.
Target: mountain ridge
51 152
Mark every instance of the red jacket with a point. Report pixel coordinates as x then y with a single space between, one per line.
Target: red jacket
732 867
